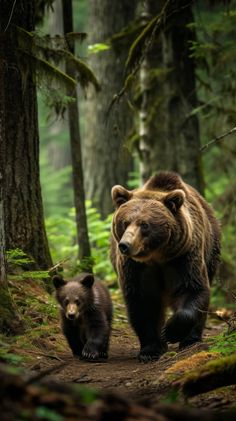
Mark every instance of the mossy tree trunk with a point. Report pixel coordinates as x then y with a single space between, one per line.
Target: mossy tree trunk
76 154
152 136
19 158
180 99
107 160
9 318
169 133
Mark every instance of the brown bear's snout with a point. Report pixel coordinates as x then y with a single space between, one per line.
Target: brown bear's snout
125 247
72 311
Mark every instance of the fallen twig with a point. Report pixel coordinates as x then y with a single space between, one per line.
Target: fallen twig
52 269
54 357
36 377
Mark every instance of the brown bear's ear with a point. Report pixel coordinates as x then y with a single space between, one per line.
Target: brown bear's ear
58 281
174 200
88 280
120 195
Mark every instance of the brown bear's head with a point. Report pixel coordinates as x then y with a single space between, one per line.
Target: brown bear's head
146 222
74 296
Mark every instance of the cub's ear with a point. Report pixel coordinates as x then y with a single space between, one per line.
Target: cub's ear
58 281
120 195
88 280
174 200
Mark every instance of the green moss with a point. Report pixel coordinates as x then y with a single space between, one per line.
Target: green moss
213 375
216 367
9 318
225 344
170 354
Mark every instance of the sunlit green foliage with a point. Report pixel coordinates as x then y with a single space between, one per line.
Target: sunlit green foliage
62 239
97 48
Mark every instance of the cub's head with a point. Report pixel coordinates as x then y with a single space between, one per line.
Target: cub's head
74 296
145 221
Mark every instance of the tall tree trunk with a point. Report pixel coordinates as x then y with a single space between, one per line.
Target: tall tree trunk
151 145
22 202
182 127
58 152
76 155
107 160
169 134
9 318
3 268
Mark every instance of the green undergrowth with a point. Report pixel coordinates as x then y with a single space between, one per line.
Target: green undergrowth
223 343
61 232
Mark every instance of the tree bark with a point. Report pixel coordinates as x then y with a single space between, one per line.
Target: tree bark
151 114
3 270
76 154
169 134
19 159
9 317
107 160
182 127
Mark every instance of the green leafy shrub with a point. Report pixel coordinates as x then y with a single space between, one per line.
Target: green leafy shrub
61 233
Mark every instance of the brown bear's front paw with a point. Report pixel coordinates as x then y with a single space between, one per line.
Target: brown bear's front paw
90 353
178 327
151 352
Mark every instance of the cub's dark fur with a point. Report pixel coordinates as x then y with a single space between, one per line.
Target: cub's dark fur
86 315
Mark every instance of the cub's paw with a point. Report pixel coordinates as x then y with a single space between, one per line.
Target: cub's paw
178 327
90 353
152 352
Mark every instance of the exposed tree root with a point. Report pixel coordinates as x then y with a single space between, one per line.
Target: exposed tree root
218 373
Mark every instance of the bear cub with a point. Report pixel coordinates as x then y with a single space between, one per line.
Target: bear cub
86 315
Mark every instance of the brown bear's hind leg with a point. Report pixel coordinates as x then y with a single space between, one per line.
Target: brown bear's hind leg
196 333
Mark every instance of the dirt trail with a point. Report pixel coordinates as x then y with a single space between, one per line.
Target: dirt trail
123 373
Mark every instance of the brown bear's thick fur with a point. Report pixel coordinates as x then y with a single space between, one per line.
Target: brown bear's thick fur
165 249
86 315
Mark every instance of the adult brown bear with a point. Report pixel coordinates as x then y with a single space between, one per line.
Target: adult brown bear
165 249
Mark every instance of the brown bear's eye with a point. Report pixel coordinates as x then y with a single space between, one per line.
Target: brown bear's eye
66 301
144 226
125 224
77 301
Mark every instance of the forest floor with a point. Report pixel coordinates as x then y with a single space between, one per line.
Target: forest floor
43 351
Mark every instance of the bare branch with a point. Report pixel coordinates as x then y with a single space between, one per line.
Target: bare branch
217 139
